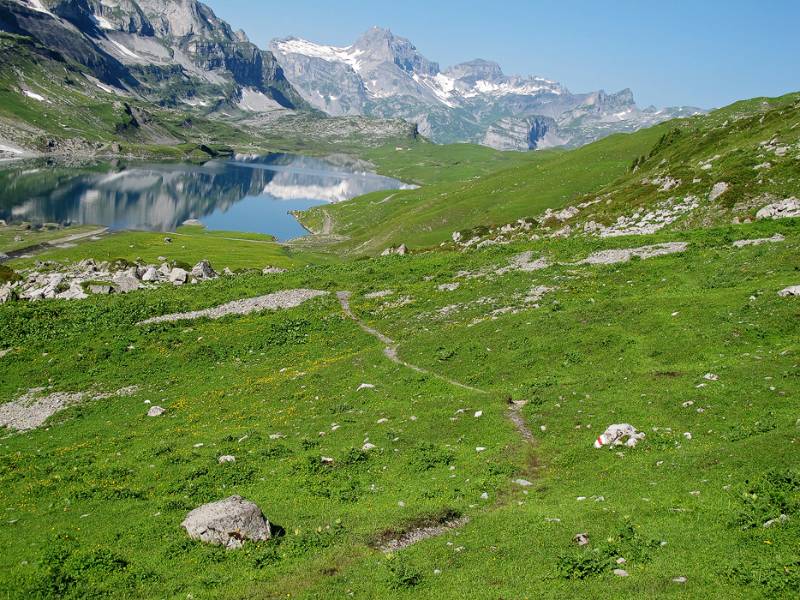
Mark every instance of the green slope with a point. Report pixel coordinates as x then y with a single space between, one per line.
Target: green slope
93 501
732 140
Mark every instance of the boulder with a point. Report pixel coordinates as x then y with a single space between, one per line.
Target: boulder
178 276
226 459
780 210
228 523
203 270
150 275
155 411
6 294
790 291
101 289
272 271
126 281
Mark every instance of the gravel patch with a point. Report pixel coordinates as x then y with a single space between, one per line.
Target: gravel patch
415 536
32 409
610 257
278 300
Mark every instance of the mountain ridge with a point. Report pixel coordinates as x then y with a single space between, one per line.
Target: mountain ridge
382 74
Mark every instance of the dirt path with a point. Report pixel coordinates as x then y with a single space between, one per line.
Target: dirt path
515 415
390 350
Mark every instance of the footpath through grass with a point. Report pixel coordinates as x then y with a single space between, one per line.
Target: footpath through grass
93 501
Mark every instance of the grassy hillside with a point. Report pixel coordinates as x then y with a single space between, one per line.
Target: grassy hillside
752 147
93 500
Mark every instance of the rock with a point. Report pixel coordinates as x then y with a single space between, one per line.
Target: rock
178 276
717 191
620 572
6 294
615 434
780 210
226 459
365 386
400 250
227 272
167 240
582 539
155 411
790 291
523 482
272 271
101 290
367 447
326 460
228 523
126 282
150 275
757 242
711 377
680 580
75 292
192 223
779 521
203 270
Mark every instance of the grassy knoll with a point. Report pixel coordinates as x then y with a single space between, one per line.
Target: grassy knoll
93 501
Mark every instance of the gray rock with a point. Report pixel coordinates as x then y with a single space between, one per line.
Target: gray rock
620 572
150 275
101 289
582 539
203 270
178 276
790 291
126 281
156 411
272 271
228 523
226 459
780 210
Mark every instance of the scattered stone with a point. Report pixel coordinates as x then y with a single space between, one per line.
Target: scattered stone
717 191
620 572
780 210
478 414
365 386
711 377
226 459
790 291
400 250
279 300
449 287
228 523
156 411
203 270
167 240
621 561
178 276
582 539
101 290
523 482
610 257
368 446
616 435
150 275
757 242
779 521
326 460
378 295
272 270
680 580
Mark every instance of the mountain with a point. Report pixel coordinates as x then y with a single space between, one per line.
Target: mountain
173 52
384 75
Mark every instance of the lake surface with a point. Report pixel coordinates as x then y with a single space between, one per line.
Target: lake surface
249 195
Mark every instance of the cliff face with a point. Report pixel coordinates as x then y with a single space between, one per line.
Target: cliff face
169 51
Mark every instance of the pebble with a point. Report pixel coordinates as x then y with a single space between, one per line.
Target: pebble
620 572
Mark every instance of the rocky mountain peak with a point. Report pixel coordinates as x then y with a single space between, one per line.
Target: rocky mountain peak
381 45
476 70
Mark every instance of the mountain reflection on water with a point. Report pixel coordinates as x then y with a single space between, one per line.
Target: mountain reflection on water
252 195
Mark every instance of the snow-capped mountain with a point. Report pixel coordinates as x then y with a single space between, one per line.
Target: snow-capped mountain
384 75
170 51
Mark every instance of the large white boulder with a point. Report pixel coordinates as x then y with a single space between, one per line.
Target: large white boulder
228 523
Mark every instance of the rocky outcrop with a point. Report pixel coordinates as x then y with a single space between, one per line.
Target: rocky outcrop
780 210
229 523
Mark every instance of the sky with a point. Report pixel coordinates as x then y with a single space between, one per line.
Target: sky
705 53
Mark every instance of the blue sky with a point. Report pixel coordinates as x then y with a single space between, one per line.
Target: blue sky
703 53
